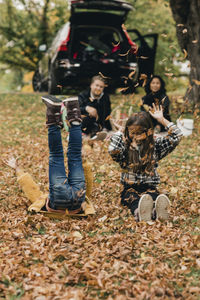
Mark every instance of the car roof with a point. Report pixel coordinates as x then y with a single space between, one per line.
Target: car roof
114 7
101 4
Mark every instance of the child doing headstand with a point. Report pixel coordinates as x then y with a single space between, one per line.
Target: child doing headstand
67 192
156 93
138 154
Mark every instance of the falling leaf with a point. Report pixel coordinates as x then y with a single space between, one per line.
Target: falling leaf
197 82
115 45
143 57
102 219
146 107
77 235
185 53
169 74
180 100
137 84
123 89
104 76
173 190
125 54
108 117
130 75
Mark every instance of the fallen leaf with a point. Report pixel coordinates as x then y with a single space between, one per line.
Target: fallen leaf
77 235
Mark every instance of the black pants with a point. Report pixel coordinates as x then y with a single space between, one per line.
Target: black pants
90 125
131 194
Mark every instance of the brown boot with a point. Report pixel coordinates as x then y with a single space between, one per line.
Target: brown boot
53 115
73 110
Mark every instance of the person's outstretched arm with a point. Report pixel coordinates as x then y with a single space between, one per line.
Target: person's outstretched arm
12 163
28 186
117 148
165 145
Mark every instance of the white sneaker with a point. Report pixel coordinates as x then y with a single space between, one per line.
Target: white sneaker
161 205
145 208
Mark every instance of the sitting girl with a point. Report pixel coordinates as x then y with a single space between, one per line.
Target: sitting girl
138 154
156 93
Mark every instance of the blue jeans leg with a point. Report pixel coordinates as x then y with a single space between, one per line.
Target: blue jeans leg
65 192
75 168
57 174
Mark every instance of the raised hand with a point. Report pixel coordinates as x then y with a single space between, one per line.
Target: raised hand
11 162
157 113
116 125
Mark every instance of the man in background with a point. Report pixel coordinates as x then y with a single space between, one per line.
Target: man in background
95 108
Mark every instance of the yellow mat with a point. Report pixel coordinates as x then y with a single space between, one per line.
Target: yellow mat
38 198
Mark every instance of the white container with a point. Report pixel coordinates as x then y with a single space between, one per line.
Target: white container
186 126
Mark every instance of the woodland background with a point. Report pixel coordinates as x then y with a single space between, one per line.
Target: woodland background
24 25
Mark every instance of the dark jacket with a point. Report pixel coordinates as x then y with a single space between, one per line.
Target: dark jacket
103 107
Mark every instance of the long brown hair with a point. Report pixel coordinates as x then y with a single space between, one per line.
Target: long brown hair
141 147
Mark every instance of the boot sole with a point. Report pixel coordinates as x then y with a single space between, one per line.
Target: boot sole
161 205
145 208
70 99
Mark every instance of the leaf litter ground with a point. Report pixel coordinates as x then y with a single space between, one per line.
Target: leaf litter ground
106 256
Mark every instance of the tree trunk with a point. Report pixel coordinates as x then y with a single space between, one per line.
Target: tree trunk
44 23
186 14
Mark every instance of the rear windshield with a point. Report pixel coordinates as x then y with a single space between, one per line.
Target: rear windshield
114 12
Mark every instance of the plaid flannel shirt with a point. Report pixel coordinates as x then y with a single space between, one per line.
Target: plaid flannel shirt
163 146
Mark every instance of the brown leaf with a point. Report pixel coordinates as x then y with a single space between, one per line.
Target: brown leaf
103 76
197 82
124 54
185 54
130 75
115 45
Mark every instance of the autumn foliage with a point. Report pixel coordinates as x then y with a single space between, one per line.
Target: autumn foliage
106 256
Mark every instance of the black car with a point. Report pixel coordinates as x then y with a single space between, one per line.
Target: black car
93 41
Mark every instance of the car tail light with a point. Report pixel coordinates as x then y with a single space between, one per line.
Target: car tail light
76 1
62 48
63 45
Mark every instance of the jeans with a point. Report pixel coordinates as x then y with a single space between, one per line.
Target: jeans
66 192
